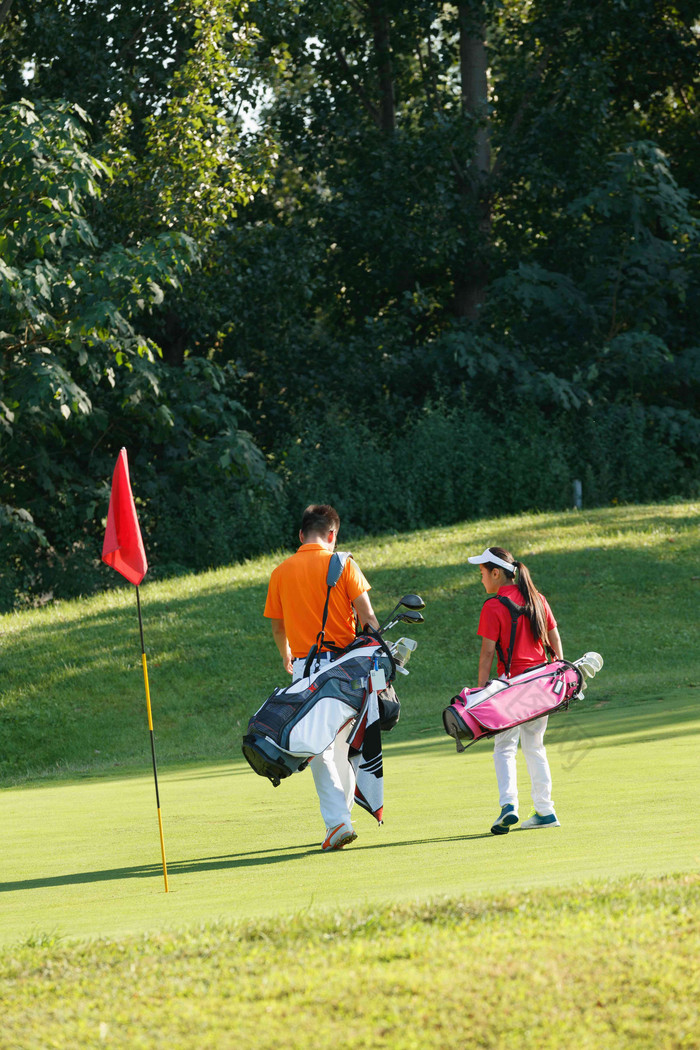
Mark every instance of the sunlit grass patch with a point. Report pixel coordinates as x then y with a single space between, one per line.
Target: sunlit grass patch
613 965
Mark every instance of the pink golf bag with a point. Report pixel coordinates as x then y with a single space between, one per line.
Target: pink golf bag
499 705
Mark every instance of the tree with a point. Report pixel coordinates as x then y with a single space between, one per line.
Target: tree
68 307
165 89
434 200
423 180
77 377
98 55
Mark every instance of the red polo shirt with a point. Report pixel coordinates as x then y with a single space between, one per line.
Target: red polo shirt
495 625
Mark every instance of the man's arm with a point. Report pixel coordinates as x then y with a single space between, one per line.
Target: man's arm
488 648
280 636
365 613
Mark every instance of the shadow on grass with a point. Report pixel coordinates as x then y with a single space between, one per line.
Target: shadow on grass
253 858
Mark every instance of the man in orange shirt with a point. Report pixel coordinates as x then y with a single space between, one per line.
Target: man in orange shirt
296 597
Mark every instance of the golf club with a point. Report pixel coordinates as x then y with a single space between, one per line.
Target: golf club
409 601
412 601
409 616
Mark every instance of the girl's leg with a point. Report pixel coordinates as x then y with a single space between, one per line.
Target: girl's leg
532 743
505 747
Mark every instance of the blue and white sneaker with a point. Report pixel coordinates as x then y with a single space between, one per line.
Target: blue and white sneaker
536 821
505 821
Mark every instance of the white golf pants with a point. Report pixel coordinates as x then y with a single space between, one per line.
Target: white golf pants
531 737
334 776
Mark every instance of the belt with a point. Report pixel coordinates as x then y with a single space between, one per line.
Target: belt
319 656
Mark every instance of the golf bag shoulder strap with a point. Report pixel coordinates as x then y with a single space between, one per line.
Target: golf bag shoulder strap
515 611
336 565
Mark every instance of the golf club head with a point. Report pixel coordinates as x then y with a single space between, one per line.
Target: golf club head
589 664
412 601
402 649
411 604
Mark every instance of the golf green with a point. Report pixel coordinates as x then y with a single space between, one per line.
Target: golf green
81 858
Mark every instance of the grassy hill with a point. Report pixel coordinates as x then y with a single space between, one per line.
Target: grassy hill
624 581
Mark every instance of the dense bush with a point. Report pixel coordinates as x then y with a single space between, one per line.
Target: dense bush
454 463
447 464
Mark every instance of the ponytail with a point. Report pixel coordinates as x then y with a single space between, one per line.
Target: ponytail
534 609
533 603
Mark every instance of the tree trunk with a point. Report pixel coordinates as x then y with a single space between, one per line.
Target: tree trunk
5 10
382 51
471 281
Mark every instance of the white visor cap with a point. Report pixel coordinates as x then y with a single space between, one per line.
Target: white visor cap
487 556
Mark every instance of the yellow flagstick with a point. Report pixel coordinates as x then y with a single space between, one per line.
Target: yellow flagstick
153 743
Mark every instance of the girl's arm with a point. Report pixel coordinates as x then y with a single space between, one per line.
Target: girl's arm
488 648
555 642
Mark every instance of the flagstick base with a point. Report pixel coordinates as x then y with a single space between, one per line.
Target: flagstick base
162 850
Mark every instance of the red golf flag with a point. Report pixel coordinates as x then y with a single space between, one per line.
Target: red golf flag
123 547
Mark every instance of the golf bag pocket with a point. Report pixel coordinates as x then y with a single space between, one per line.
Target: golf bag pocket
281 709
389 709
457 720
269 760
313 733
456 724
500 705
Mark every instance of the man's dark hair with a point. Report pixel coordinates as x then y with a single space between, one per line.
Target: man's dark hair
319 519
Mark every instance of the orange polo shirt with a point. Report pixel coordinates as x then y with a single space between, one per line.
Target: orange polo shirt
297 593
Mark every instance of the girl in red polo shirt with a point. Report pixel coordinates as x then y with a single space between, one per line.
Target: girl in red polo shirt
508 582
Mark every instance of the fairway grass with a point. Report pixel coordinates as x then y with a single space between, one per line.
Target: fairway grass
82 858
427 932
624 581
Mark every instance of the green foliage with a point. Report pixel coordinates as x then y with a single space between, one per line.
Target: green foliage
19 540
68 308
447 464
593 241
224 504
183 166
629 452
77 378
103 56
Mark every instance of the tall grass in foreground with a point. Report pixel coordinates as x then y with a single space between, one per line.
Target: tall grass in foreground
610 967
622 580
